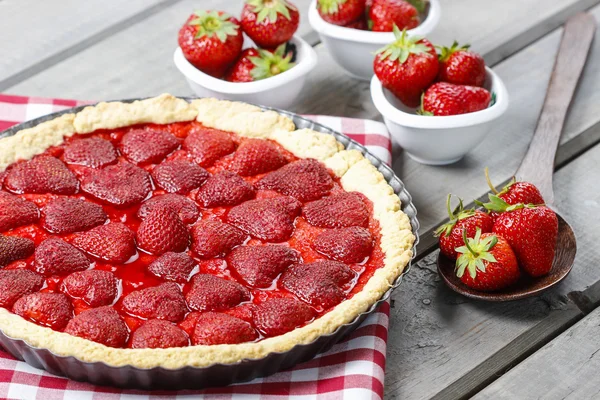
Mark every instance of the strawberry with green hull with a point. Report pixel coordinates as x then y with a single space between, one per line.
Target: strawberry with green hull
531 230
461 221
406 67
517 192
384 14
443 99
341 12
211 41
270 23
256 64
460 66
486 262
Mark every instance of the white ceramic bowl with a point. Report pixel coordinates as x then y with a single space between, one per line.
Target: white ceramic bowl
438 140
354 49
278 91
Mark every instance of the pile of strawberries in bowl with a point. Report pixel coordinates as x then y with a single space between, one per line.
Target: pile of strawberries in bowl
246 59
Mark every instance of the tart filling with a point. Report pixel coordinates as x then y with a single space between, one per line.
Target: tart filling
167 233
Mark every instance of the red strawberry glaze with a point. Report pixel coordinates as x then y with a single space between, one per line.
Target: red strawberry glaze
133 274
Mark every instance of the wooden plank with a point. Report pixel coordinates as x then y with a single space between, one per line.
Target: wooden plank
566 368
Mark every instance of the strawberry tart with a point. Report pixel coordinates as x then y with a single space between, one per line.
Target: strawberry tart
171 233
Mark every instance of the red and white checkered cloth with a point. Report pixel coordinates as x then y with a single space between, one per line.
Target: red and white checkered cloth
352 369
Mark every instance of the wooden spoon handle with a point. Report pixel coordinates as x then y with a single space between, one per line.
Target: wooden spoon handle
538 165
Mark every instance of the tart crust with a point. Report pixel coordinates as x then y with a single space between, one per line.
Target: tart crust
356 174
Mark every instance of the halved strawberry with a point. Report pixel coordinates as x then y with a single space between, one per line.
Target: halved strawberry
256 64
257 156
270 23
68 215
179 176
211 293
54 256
385 14
15 212
161 231
15 283
341 12
113 242
174 267
95 287
207 145
101 325
42 174
122 184
337 211
163 302
225 188
53 310
181 205
259 265
92 152
216 328
303 179
213 238
349 245
13 248
148 145
277 316
156 334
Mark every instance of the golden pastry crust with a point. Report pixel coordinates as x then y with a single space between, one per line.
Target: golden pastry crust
356 173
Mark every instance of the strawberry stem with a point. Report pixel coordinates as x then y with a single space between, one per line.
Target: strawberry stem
466 240
489 181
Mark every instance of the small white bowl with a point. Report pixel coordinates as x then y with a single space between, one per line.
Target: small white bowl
278 91
353 49
438 140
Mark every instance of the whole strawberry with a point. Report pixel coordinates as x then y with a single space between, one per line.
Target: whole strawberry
270 23
530 230
406 67
384 14
460 66
444 98
341 12
517 192
211 41
486 262
256 64
461 220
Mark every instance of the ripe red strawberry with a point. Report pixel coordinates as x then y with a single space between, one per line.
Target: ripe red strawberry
341 12
163 302
360 24
256 64
179 176
486 262
243 311
42 174
95 287
259 265
148 145
277 316
68 215
270 23
162 231
213 238
15 212
530 230
349 245
211 41
318 283
113 242
101 325
385 14
181 205
406 67
15 283
460 66
225 188
207 145
451 233
156 334
216 328
257 156
211 293
175 267
122 184
517 192
444 98
337 211
53 310
303 179
54 256
270 219
13 248
92 152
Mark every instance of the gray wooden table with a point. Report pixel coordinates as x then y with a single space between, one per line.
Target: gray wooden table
441 345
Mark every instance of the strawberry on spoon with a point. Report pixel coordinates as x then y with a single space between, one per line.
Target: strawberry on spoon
256 64
270 23
516 192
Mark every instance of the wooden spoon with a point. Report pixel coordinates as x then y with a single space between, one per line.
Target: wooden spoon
537 166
